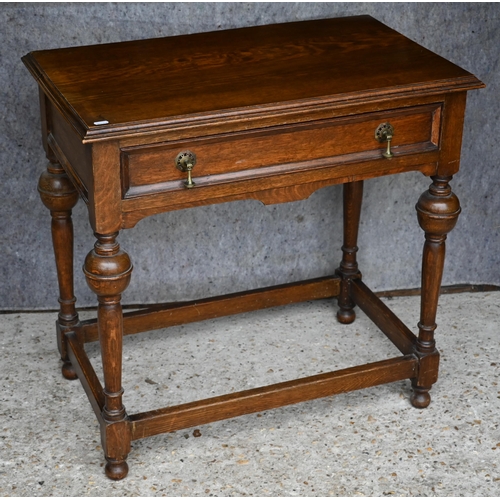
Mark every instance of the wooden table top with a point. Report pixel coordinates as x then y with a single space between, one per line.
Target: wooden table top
137 83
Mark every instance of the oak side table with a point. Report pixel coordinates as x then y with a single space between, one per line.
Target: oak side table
271 113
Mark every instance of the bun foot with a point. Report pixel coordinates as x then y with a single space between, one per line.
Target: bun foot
420 398
346 317
68 372
116 469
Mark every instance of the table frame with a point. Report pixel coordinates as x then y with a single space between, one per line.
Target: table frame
88 161
437 209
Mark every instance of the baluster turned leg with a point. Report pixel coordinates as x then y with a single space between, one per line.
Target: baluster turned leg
59 195
353 195
107 270
438 210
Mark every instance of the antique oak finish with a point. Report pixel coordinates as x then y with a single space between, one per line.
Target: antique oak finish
271 113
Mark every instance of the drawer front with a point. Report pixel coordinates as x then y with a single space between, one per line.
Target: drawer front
278 150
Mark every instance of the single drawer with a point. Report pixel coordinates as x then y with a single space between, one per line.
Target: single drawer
278 150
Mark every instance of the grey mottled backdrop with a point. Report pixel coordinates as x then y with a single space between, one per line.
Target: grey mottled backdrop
218 249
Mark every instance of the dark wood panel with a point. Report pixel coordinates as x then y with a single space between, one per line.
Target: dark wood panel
149 165
277 185
75 157
86 374
165 315
272 396
397 332
140 83
452 130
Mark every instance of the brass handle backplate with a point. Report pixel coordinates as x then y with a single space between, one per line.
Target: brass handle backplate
384 132
185 161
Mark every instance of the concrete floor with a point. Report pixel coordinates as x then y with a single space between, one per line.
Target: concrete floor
368 443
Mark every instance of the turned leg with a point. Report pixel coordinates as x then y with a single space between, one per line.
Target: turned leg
60 196
353 194
438 210
107 270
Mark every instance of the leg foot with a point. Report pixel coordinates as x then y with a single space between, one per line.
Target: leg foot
346 316
68 372
420 397
116 469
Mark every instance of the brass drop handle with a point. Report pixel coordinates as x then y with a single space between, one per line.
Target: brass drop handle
185 161
384 132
